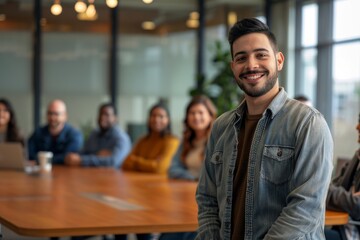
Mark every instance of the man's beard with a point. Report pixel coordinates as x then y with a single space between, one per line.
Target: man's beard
252 92
54 125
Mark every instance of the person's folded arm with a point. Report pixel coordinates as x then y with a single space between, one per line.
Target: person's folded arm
338 199
161 163
73 143
129 163
119 151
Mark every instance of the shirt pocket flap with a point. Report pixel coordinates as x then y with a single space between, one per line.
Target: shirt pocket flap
216 158
278 153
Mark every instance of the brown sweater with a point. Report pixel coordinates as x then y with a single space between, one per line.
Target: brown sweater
246 133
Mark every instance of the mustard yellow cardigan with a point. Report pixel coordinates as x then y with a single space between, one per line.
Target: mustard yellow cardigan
152 154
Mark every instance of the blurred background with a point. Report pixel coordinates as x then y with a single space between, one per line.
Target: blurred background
135 53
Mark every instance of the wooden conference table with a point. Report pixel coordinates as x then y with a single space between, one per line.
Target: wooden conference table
96 201
336 218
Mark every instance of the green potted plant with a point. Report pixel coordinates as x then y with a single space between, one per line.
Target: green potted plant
222 88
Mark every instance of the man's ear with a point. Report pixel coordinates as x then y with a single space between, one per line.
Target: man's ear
280 60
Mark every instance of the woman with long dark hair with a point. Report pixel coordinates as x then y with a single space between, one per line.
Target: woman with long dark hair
154 151
9 130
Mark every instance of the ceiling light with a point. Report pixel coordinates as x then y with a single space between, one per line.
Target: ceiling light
232 18
80 6
194 15
148 25
91 11
56 8
147 1
84 17
192 23
111 3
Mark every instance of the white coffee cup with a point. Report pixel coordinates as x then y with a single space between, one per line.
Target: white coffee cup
45 160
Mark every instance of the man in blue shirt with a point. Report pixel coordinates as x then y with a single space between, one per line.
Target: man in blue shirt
57 136
107 145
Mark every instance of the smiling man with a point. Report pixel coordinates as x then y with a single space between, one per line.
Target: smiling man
107 145
57 136
268 162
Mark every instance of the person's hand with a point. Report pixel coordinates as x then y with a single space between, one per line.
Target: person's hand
352 189
356 193
104 153
30 163
72 159
130 163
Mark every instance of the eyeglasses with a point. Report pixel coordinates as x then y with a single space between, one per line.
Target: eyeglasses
52 113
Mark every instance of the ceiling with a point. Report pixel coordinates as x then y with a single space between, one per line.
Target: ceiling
168 15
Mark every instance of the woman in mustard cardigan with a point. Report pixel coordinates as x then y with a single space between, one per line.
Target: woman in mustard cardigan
154 151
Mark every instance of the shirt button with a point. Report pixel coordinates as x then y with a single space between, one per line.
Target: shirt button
230 172
228 200
279 153
227 225
217 158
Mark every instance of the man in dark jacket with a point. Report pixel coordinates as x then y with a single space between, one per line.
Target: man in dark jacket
344 195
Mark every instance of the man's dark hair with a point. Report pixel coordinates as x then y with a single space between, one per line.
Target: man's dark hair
105 105
247 26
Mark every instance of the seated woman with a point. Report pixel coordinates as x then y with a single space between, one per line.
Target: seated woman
187 162
9 131
154 151
200 115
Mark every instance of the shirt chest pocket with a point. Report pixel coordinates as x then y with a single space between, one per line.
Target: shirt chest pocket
217 164
277 164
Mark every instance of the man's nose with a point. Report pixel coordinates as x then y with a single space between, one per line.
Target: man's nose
252 63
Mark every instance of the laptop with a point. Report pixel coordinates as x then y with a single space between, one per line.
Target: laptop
12 156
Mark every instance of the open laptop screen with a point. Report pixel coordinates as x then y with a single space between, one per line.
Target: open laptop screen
12 156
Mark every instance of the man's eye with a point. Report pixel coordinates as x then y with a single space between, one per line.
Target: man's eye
240 59
262 55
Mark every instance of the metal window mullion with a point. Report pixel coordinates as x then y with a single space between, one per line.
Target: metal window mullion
324 89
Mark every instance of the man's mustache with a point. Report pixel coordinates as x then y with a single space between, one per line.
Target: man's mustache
252 72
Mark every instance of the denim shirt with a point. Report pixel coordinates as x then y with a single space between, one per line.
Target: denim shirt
114 139
289 171
68 140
